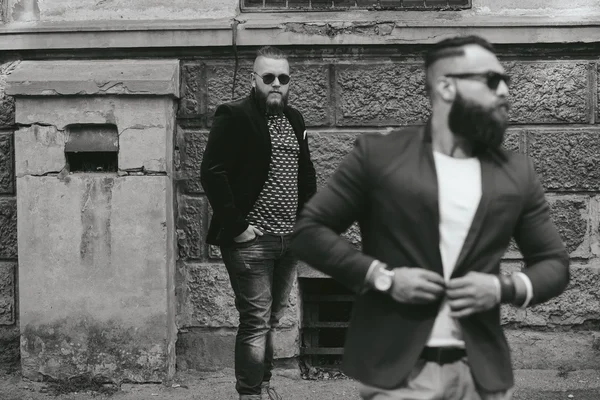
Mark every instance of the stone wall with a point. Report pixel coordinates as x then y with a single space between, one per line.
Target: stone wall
345 92
9 330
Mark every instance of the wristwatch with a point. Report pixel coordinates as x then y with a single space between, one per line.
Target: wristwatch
384 278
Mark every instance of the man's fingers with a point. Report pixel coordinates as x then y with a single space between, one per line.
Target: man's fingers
257 231
430 287
432 277
458 283
457 305
460 293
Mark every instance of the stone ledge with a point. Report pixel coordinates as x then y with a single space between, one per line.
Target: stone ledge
301 28
95 77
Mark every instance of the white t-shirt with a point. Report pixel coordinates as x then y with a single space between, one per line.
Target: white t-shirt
459 191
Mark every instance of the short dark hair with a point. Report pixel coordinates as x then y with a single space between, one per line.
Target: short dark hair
452 47
271 52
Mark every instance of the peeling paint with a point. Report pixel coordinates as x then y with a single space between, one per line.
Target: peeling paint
26 11
109 350
376 28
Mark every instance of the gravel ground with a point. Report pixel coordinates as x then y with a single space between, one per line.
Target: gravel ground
530 385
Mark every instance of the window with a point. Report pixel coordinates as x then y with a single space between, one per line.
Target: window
324 5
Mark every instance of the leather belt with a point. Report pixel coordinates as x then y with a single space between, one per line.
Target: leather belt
443 355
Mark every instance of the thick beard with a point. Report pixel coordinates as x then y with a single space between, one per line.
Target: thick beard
273 106
478 125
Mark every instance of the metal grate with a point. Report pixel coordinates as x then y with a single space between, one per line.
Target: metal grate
322 5
327 306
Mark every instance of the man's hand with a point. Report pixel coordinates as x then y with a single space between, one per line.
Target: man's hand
472 293
416 286
249 234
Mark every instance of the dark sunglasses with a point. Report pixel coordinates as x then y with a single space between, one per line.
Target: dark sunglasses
270 78
491 79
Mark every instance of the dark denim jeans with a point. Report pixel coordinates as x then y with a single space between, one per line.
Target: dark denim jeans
262 273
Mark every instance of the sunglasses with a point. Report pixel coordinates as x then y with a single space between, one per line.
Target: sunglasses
270 78
491 79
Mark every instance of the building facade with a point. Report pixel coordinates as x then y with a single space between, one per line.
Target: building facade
103 267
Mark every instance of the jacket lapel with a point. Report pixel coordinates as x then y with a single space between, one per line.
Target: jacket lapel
431 199
259 120
487 193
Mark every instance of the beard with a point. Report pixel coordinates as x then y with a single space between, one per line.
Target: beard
482 127
273 105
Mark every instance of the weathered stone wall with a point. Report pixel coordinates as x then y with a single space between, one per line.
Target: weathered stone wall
9 330
345 93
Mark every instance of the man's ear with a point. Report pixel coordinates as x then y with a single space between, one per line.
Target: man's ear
253 80
446 88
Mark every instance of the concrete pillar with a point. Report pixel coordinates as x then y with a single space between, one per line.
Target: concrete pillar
96 240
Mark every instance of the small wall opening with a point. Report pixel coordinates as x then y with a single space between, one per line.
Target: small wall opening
327 307
92 148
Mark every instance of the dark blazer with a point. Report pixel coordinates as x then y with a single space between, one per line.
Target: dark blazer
388 184
235 165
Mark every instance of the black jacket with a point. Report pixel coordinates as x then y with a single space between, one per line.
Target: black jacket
236 161
388 184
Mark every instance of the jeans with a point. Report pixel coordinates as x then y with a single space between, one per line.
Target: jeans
262 273
431 381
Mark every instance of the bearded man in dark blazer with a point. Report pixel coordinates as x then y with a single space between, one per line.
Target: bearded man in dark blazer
437 207
257 174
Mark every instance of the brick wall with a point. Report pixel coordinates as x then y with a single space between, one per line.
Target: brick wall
9 330
348 91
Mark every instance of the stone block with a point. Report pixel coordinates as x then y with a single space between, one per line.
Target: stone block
327 150
32 142
192 90
213 349
579 303
110 236
7 157
571 216
192 150
381 94
205 350
308 91
549 92
8 228
7 293
206 298
566 160
219 84
10 355
144 125
7 103
191 227
95 77
513 141
565 351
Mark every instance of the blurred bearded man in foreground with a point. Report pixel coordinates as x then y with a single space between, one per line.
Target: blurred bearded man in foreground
257 174
437 206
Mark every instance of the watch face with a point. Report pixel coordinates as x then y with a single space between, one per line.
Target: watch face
383 282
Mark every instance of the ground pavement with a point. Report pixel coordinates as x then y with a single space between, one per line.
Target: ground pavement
191 385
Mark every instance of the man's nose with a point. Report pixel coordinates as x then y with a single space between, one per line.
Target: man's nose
276 82
502 89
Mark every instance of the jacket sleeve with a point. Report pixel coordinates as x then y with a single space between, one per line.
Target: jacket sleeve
309 170
222 151
329 213
545 255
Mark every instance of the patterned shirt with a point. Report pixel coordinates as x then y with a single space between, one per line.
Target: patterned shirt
276 206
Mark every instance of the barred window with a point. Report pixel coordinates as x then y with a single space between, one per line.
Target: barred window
323 5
